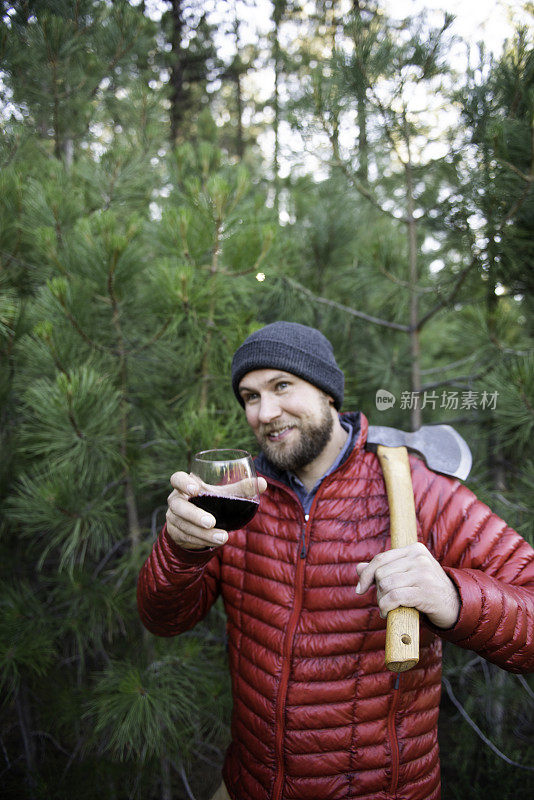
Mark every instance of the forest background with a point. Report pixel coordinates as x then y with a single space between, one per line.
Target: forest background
170 182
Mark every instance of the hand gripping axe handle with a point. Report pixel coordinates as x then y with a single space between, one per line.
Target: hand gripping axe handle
402 626
444 451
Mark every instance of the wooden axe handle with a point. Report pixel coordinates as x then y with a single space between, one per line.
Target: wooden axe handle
402 627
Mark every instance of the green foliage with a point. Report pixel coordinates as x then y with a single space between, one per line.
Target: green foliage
514 424
128 278
92 610
69 518
499 705
27 638
141 713
79 426
57 59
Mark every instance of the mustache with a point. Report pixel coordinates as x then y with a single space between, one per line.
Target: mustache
265 430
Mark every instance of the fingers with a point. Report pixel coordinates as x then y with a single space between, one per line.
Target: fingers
188 484
187 525
397 596
385 565
410 576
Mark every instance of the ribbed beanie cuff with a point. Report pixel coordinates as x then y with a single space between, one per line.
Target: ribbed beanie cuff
294 348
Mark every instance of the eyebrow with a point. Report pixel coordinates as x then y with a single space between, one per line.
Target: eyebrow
281 376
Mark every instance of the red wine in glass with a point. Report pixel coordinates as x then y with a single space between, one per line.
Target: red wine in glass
229 486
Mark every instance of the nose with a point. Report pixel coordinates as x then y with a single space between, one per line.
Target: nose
269 409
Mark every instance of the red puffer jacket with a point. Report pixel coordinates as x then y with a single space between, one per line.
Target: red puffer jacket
316 714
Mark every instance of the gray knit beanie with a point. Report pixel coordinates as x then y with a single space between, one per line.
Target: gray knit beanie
294 348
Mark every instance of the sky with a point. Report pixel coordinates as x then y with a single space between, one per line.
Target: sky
476 20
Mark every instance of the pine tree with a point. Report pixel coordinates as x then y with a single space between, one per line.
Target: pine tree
59 58
121 374
381 67
191 63
128 278
498 158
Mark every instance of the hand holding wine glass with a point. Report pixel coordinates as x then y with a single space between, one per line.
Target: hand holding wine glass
229 486
221 494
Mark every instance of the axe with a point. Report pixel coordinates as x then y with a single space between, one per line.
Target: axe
443 450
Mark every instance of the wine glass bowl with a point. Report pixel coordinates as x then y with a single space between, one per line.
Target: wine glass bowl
229 488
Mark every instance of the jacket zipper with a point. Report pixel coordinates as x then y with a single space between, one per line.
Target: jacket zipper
290 634
292 626
392 732
286 657
303 550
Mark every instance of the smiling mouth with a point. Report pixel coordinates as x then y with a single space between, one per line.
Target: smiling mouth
279 434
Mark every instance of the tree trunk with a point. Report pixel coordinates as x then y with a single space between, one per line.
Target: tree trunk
277 15
240 144
56 112
363 147
25 725
361 100
166 784
210 322
177 71
134 527
415 348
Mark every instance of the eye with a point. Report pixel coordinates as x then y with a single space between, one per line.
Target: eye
249 397
282 385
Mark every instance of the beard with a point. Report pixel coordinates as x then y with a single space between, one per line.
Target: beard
314 436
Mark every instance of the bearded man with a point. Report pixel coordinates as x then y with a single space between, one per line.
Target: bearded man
308 583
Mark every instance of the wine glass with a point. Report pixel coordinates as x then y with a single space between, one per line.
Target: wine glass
229 486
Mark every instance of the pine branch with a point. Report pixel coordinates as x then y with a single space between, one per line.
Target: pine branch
346 309
529 182
56 744
452 365
450 297
517 205
6 756
73 321
460 379
522 680
102 563
516 507
181 772
406 284
529 178
154 339
154 521
477 730
209 761
365 192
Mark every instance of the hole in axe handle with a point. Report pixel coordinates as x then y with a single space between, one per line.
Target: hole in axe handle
406 639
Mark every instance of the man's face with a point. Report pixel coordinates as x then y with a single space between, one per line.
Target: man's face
291 419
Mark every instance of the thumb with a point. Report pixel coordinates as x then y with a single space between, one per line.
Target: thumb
360 588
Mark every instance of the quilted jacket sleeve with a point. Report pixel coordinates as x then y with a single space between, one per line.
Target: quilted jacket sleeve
491 565
176 587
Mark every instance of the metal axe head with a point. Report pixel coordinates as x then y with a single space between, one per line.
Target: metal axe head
442 448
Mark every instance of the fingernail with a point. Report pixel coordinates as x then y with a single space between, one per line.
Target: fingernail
220 537
358 589
207 522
